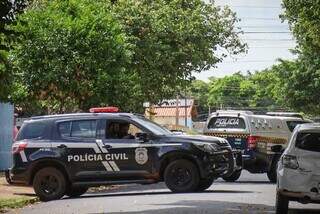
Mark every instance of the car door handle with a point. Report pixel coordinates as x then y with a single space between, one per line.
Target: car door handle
107 146
62 146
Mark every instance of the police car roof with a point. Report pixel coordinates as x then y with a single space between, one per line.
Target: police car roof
81 115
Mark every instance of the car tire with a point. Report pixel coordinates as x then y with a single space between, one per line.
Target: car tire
205 184
272 173
182 176
49 184
233 177
74 192
282 204
7 175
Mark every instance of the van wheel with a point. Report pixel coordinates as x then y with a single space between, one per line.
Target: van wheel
205 184
74 192
49 184
282 204
233 177
182 176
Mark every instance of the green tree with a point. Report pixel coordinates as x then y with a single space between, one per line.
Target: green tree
199 90
174 38
231 91
8 12
302 77
79 53
72 55
267 89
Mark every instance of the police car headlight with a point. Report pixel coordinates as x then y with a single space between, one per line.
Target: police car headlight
208 147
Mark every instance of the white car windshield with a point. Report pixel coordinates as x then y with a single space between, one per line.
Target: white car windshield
152 126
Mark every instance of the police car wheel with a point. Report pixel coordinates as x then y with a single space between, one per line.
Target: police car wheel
233 177
205 184
272 173
282 204
76 191
49 184
182 176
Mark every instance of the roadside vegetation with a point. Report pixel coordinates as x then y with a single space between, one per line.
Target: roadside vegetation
13 203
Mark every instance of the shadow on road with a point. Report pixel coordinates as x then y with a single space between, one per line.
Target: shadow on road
208 207
205 207
121 194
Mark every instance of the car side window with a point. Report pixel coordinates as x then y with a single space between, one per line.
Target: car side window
121 130
78 129
308 141
65 129
32 131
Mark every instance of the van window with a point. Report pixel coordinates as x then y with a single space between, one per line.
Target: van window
308 141
227 122
292 124
31 131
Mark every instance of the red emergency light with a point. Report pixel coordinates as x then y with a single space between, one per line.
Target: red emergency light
109 109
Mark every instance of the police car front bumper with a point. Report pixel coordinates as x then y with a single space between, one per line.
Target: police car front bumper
225 162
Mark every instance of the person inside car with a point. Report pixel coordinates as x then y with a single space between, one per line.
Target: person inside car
124 131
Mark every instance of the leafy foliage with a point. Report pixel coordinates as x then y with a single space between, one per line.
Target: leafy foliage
262 90
8 12
72 55
79 53
302 77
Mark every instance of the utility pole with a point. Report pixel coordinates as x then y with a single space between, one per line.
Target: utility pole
177 110
185 105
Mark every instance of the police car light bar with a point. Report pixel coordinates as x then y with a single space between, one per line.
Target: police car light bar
110 109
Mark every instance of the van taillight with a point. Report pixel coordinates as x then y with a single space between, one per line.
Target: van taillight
18 147
252 142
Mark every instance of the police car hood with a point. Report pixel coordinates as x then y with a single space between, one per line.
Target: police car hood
198 139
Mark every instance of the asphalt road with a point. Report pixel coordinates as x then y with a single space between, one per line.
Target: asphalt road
251 194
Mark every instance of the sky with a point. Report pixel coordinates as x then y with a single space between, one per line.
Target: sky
266 36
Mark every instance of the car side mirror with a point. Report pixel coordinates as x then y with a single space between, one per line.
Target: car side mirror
276 148
142 136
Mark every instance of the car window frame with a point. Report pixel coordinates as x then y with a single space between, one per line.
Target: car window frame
298 146
26 125
77 138
102 133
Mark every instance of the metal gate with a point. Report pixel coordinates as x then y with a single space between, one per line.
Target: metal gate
6 134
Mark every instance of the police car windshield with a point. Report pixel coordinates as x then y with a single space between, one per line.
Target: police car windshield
152 126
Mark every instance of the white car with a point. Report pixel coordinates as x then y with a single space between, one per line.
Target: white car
298 174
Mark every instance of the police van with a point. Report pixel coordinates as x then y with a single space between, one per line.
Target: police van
255 136
66 154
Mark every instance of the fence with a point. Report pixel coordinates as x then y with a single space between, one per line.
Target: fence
6 134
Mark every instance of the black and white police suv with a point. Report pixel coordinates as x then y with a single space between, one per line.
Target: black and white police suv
66 154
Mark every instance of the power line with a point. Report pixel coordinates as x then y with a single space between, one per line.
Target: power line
264 26
261 32
270 39
249 6
271 46
258 18
244 61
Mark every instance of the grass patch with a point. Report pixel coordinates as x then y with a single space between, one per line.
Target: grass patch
13 203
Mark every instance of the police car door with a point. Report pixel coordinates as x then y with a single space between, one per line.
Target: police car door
124 155
77 147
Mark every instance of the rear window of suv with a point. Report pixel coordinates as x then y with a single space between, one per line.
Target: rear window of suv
292 124
308 141
227 123
33 130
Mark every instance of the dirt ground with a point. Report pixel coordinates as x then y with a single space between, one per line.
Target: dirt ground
13 191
